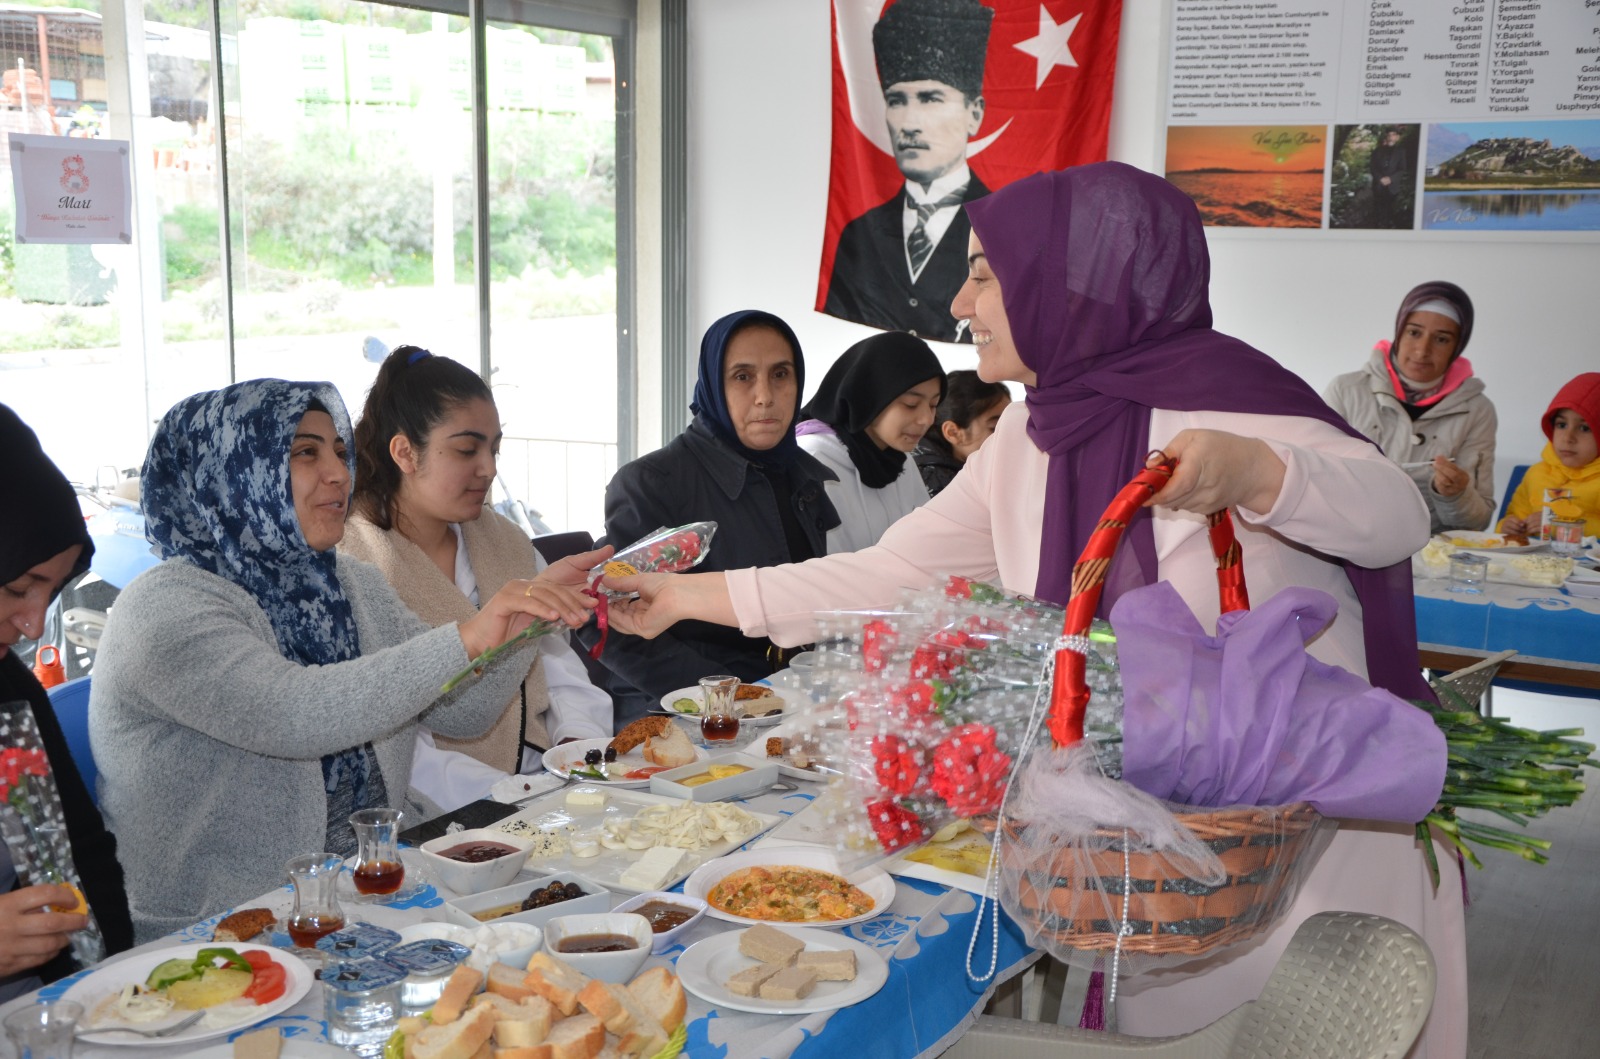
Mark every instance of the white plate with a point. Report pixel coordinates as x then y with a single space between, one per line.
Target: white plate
1487 543
107 981
550 813
784 768
707 964
293 1048
874 882
1584 584
694 693
558 759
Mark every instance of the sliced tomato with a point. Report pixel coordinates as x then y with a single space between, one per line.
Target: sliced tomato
270 980
643 773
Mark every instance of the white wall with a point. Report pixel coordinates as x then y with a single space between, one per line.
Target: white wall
758 169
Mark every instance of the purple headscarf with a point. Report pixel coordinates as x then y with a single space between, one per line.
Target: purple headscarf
1104 273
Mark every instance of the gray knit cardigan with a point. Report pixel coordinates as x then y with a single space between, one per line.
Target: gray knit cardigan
209 741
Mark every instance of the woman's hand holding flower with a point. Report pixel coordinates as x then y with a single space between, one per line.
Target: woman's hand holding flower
520 604
30 935
573 570
1219 470
666 599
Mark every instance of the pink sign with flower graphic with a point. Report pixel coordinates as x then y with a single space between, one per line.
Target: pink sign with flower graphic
71 190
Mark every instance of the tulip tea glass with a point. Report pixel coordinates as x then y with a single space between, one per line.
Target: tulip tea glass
316 897
44 1031
379 871
1468 572
718 721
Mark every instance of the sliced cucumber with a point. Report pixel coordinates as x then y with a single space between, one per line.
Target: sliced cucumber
171 971
685 706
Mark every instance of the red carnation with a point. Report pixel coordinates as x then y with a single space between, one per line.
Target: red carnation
877 640
894 824
916 697
958 587
969 771
897 766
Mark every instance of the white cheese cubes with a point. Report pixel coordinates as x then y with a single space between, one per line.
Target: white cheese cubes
653 869
587 798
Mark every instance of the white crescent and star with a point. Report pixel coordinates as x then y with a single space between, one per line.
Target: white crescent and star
1049 48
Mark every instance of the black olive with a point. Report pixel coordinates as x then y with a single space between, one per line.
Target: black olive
611 754
592 757
571 891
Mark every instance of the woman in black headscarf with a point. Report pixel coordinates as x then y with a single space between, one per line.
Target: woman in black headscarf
737 464
872 409
43 545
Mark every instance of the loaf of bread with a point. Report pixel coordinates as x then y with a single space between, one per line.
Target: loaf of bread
244 924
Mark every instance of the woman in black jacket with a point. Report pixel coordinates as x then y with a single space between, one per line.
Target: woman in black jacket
737 464
43 544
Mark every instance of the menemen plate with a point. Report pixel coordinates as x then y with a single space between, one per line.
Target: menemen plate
874 882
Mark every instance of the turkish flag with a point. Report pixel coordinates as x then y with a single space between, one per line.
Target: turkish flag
1047 74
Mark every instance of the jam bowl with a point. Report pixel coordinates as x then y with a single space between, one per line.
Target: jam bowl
475 860
670 915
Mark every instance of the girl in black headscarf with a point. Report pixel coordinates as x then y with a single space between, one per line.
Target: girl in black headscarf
737 464
43 545
863 423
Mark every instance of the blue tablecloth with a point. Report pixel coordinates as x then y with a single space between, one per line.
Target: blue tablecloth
1543 622
926 1003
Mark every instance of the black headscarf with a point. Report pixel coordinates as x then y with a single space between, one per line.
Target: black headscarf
710 401
864 381
42 514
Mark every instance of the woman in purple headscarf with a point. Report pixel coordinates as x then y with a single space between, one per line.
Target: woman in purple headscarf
1089 287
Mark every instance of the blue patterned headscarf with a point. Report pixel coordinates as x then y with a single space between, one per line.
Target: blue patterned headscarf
216 493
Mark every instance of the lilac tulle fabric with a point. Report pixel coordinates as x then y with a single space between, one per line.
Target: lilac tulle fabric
1247 717
1105 276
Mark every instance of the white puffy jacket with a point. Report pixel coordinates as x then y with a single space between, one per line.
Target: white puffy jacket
1461 426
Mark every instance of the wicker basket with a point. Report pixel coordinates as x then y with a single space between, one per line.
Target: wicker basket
1260 847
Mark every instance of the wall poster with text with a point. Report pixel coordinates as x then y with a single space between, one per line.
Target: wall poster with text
1476 116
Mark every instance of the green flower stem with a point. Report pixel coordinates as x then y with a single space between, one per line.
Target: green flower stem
532 632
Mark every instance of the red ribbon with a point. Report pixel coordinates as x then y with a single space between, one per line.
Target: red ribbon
599 616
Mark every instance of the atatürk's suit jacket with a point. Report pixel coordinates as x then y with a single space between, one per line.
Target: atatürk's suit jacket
871 284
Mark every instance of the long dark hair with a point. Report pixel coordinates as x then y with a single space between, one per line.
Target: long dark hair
966 397
414 390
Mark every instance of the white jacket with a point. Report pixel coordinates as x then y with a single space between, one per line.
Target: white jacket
1461 426
863 513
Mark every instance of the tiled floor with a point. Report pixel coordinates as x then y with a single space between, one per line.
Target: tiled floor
1533 962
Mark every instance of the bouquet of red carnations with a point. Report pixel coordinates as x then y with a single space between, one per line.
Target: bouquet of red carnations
930 703
33 825
666 551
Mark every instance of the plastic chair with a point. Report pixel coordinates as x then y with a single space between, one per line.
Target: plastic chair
1511 489
70 702
1349 986
1474 683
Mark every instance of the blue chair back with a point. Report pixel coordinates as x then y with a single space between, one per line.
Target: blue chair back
70 701
1511 490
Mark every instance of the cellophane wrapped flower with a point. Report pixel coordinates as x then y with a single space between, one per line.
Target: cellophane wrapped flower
666 551
924 710
32 822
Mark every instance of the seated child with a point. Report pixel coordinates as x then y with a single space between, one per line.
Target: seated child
1570 461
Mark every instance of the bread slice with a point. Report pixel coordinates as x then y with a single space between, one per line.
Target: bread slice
464 981
829 965
556 981
659 992
791 983
748 981
670 748
485 1051
460 1039
770 945
518 1024
637 1030
507 981
262 1044
244 924
578 1037
638 731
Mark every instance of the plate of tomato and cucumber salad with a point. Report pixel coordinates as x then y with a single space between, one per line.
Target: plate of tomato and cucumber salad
235 985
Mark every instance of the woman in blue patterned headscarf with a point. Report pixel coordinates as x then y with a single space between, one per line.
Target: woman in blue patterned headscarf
256 687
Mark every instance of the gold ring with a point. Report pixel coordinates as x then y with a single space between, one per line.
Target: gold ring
528 591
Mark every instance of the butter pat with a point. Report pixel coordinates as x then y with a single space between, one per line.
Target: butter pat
588 798
653 869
